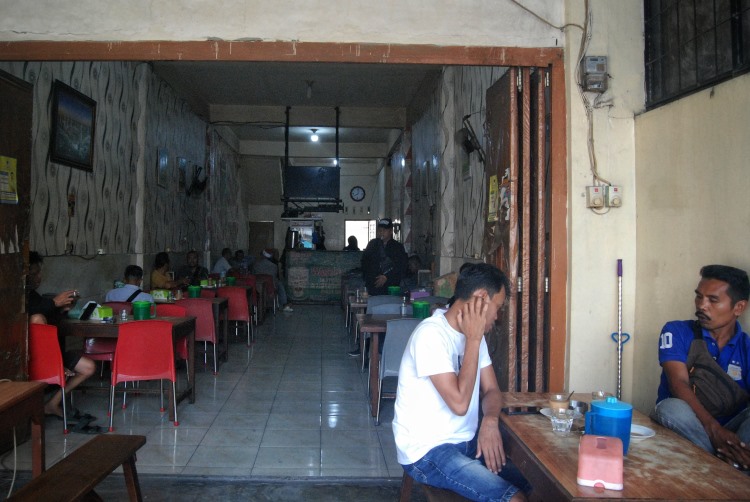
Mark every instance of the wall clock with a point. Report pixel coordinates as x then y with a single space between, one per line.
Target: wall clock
357 193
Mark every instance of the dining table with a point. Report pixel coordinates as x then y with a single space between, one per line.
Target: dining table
19 402
182 327
664 466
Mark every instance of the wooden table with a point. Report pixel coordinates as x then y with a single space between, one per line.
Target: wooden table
221 306
182 327
19 402
370 326
354 307
664 467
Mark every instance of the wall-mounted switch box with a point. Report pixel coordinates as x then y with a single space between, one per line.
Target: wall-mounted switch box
613 196
594 75
595 197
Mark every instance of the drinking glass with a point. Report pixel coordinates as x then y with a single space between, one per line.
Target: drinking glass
562 420
558 402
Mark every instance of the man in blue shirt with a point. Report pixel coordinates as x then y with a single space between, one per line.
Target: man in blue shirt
720 298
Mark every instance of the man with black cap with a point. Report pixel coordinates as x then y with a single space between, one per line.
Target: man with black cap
384 264
384 260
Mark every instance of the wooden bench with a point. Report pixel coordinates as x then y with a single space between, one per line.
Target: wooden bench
76 476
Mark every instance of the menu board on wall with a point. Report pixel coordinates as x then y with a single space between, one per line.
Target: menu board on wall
8 181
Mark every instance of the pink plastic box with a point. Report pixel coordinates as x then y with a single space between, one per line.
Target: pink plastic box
600 462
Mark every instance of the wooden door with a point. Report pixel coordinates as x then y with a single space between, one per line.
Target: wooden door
260 237
516 225
16 103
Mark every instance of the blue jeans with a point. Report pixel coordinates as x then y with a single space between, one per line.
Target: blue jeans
453 467
677 415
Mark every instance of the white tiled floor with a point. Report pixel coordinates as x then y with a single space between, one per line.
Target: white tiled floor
292 405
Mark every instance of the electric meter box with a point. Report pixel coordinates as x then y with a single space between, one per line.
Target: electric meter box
594 73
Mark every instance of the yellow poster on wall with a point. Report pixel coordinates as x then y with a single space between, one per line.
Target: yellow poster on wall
492 200
8 181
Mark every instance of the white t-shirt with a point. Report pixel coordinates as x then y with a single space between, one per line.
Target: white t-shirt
222 265
422 419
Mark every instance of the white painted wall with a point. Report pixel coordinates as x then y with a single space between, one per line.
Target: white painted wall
596 242
692 172
442 22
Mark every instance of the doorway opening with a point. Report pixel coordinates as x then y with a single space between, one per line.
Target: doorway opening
361 230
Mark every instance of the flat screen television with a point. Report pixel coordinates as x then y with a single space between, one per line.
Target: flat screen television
312 182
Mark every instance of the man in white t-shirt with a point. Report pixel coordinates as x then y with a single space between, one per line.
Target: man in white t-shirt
444 370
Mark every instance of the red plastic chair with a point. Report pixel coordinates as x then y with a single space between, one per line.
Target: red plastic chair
249 281
144 352
103 349
238 309
269 289
205 328
208 293
45 360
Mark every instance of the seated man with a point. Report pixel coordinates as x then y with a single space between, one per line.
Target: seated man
720 298
131 291
222 265
266 266
192 272
43 310
444 370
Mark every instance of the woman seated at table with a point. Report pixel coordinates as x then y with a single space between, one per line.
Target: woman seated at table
159 277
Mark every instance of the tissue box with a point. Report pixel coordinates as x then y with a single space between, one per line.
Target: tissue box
600 462
160 294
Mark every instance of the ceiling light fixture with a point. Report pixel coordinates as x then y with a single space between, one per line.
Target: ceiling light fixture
314 136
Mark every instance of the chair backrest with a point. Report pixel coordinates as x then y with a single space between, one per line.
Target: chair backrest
268 284
397 333
238 309
45 358
208 293
374 301
390 308
250 281
202 309
170 310
144 352
118 307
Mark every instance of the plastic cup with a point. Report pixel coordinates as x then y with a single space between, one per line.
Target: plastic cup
420 310
231 281
194 291
394 290
141 310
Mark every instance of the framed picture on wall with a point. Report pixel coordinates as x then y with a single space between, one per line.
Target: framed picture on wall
162 167
72 129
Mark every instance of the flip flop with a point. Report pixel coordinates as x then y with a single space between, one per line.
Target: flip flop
84 428
77 415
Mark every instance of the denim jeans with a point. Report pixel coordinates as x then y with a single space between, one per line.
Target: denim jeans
677 415
453 467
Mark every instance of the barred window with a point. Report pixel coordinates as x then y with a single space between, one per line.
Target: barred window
693 44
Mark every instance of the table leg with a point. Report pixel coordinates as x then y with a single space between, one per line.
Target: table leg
38 454
226 335
374 369
131 479
191 367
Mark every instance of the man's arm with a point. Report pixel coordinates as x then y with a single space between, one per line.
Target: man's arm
456 390
489 440
724 441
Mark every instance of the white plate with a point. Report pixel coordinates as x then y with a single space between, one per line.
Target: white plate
547 412
639 432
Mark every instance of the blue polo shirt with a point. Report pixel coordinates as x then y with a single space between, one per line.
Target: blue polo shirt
734 358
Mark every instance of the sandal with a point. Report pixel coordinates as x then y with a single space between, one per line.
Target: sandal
77 415
87 429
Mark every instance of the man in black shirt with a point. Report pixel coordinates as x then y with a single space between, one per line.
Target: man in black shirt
384 260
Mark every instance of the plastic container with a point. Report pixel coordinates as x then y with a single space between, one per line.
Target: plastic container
610 418
143 310
600 462
194 291
394 290
231 281
420 309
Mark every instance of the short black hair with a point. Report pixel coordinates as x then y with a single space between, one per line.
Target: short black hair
226 251
161 259
480 276
35 258
133 272
739 286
